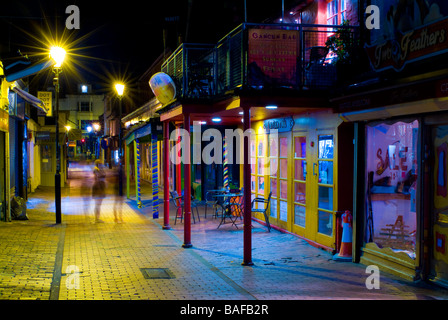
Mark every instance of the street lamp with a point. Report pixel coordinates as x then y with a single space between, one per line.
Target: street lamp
58 55
119 87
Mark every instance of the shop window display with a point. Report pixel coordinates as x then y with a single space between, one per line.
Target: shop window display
391 186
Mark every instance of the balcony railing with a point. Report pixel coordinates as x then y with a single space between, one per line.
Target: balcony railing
259 56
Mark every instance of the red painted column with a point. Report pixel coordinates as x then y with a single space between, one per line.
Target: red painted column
247 231
187 184
178 183
166 176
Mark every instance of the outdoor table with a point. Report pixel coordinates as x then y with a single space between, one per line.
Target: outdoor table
228 199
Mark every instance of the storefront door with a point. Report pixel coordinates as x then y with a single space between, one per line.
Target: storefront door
313 185
439 257
48 164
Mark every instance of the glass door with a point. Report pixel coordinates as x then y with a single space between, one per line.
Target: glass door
439 257
279 147
325 188
300 163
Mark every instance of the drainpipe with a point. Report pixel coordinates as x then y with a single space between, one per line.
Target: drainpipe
247 236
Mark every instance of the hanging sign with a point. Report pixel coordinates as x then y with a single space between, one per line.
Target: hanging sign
281 124
163 87
46 98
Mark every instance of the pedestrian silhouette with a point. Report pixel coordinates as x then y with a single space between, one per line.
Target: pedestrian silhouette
118 201
98 188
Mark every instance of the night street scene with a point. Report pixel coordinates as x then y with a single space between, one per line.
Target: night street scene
206 154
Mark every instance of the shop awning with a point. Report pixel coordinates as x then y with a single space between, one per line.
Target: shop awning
30 99
139 132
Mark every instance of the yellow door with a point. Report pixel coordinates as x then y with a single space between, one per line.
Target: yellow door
301 183
279 180
313 202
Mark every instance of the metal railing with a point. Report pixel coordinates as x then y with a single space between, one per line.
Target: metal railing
259 56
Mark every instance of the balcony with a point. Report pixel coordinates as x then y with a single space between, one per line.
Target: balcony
264 57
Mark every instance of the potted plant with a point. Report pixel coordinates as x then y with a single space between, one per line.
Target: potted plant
343 43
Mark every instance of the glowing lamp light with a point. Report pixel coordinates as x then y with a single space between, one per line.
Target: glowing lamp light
89 129
216 119
119 87
271 107
67 128
58 55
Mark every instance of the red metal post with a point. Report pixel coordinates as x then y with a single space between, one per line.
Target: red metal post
178 168
187 183
247 236
166 176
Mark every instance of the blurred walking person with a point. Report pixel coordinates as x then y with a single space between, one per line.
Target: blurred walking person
118 201
98 189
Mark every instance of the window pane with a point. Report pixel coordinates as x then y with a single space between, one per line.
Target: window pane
261 147
325 198
273 208
261 162
273 147
283 168
284 147
273 166
300 192
300 170
300 147
283 189
283 211
299 215
325 223
326 147
252 183
274 187
326 172
252 165
261 185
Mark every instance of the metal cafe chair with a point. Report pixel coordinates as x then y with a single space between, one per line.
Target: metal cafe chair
211 201
264 210
179 204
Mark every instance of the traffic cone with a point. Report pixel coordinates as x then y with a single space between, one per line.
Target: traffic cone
345 253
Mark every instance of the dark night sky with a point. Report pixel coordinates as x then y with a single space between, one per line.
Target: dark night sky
125 37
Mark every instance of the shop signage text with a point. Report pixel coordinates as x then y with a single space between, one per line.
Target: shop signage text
416 44
281 125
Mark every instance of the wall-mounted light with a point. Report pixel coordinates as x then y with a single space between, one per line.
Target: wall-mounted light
271 106
216 119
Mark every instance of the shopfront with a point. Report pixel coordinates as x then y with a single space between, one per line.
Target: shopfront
301 164
400 195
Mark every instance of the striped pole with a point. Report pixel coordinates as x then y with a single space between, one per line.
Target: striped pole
155 178
137 170
226 172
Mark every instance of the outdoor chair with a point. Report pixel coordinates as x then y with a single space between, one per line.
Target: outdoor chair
211 201
179 204
264 210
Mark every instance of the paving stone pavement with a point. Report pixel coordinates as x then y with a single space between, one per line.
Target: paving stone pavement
83 260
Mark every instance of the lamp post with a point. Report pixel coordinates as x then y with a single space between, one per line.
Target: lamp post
119 87
96 129
58 55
